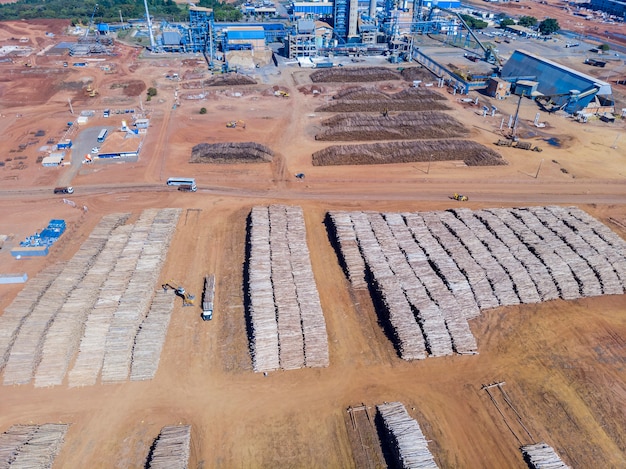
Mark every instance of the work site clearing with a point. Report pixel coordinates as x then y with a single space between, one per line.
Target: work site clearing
352 302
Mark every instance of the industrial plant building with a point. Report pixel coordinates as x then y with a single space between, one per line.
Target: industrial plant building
557 87
612 7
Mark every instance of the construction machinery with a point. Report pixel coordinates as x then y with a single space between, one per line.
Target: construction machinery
188 299
91 91
281 94
460 197
234 124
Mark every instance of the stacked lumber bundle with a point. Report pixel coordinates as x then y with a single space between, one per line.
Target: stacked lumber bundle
171 448
27 348
151 337
262 310
208 293
349 254
432 271
288 326
408 443
63 337
542 456
16 313
134 303
31 446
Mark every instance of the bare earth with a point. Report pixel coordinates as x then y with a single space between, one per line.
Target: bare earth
564 363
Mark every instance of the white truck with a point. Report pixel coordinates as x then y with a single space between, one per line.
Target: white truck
208 297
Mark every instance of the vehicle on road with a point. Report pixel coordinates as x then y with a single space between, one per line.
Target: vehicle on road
64 190
95 150
460 197
176 181
188 188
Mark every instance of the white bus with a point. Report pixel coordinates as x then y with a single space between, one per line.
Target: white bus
102 135
191 182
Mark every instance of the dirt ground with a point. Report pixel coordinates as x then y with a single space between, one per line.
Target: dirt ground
563 363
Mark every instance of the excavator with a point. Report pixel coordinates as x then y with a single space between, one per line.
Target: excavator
460 197
234 124
188 300
281 94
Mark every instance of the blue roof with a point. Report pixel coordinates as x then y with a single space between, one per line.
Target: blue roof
248 34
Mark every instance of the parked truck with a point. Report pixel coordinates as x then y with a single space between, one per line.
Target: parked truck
64 190
208 297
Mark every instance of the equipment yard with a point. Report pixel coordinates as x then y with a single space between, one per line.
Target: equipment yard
348 309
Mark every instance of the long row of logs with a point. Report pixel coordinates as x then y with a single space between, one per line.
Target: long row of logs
408 443
31 446
432 271
288 329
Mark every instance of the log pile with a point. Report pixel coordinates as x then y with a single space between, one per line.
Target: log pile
231 152
230 79
408 443
356 74
171 448
26 351
542 456
151 337
287 324
471 153
31 446
403 126
429 272
135 300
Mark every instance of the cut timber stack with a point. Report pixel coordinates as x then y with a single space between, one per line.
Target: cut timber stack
31 446
542 456
287 324
432 271
407 440
171 448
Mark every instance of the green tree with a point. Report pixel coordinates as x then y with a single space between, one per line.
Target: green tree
474 23
604 47
527 21
506 22
549 26
202 110
152 92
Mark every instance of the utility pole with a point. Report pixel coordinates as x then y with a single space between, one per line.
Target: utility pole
69 100
540 163
519 102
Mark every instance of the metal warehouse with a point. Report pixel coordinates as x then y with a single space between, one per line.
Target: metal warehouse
559 87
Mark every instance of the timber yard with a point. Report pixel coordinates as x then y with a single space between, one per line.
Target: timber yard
398 242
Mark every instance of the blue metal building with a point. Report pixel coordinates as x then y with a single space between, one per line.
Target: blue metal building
560 87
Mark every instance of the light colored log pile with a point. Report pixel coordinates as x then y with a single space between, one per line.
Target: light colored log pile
26 351
63 337
31 446
400 250
591 269
523 285
588 283
542 456
561 273
409 338
349 249
151 337
433 265
262 309
311 314
16 313
536 269
134 303
449 271
427 227
610 257
498 279
171 448
290 338
288 326
408 442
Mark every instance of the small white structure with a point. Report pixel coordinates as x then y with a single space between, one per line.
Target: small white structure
55 159
82 120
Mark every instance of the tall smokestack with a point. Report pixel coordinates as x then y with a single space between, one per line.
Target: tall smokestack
372 9
353 17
